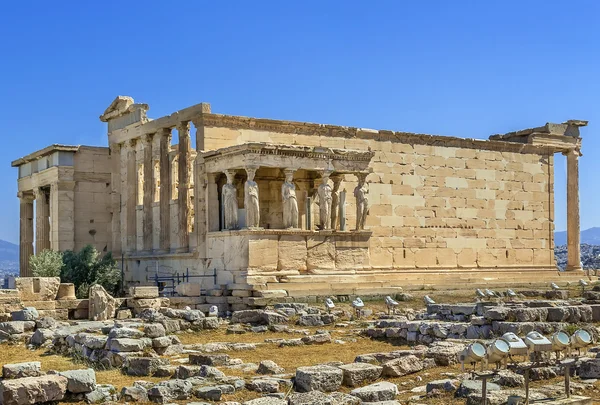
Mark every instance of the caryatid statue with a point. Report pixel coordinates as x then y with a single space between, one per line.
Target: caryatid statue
251 199
325 200
335 200
290 203
361 193
230 202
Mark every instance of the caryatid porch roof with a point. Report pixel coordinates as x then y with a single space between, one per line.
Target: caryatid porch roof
260 154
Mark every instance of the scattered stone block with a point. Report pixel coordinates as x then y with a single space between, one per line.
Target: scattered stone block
402 366
355 374
143 292
209 359
37 288
102 305
33 390
102 393
80 381
311 398
21 370
166 391
263 385
126 345
269 367
25 314
468 387
134 394
318 378
143 366
382 391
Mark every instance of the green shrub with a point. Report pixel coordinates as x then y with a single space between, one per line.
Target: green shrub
47 263
86 268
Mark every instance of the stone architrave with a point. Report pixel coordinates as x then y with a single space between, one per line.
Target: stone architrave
324 201
251 201
361 192
230 202
335 200
102 304
290 203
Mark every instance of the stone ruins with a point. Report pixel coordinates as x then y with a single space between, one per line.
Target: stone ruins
280 209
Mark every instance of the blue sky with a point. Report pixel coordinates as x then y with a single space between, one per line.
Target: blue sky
461 68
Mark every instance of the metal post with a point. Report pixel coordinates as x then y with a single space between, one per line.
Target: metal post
484 390
308 214
342 210
526 386
568 380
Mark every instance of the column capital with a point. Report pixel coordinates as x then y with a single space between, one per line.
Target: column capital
38 192
576 152
132 142
183 128
25 197
147 138
164 131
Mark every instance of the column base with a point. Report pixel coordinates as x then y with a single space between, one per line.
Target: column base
574 268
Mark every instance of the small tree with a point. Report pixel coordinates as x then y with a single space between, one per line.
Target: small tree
86 268
47 263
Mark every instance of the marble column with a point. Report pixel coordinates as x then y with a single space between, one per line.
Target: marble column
132 197
42 220
26 233
184 185
115 180
573 225
166 183
148 193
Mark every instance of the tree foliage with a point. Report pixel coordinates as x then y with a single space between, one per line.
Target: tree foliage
86 268
47 263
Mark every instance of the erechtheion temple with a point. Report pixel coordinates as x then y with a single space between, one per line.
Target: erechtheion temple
279 207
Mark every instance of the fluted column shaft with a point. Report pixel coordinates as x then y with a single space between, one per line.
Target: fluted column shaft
165 190
573 225
115 179
25 233
148 193
184 185
42 223
132 188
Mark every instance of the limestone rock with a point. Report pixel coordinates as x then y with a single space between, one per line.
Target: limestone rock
382 391
441 385
37 288
444 353
32 390
154 330
102 393
344 399
318 378
125 333
102 305
20 370
507 378
211 393
590 369
41 336
80 381
134 394
311 398
269 367
402 366
263 385
355 374
12 327
143 366
166 391
319 338
25 314
258 317
126 345
468 387
267 401
209 359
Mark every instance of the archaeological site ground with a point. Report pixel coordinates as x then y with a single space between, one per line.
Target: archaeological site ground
278 262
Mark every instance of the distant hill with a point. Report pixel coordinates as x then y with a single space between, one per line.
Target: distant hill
9 258
590 236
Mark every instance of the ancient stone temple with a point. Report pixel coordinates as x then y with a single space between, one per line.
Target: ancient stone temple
291 208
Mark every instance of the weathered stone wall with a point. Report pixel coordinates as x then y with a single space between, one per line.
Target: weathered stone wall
92 198
436 202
